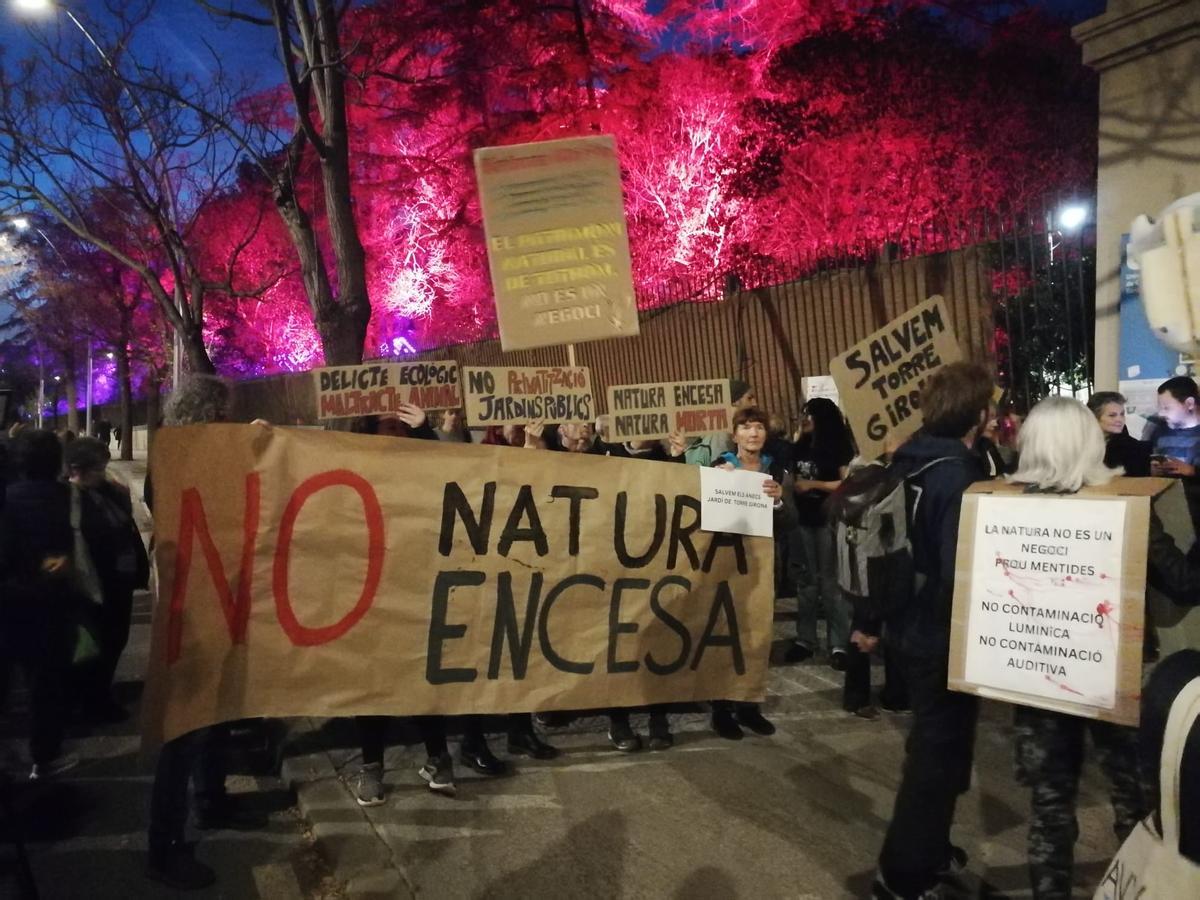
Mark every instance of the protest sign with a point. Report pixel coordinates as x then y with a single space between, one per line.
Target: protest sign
734 502
814 386
337 574
879 379
1049 597
557 244
518 396
373 389
647 411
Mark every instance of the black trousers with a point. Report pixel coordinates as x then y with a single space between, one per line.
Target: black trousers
198 758
937 769
372 732
856 690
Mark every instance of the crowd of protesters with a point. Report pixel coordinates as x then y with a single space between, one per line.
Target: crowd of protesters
71 559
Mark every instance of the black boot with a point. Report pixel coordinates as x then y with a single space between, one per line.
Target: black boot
749 715
526 743
176 867
723 722
621 734
477 755
660 731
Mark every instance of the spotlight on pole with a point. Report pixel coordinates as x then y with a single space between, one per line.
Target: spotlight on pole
20 223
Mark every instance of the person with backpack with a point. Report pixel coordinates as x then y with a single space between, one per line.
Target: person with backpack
938 465
821 460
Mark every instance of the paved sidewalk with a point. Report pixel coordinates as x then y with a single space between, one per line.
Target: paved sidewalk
797 815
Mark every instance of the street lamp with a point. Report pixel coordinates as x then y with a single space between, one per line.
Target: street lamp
45 7
20 223
1072 216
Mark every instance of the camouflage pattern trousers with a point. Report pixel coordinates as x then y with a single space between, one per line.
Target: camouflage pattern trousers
1050 750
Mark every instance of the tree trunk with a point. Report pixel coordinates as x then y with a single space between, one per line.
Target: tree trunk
125 382
153 408
344 334
72 398
196 353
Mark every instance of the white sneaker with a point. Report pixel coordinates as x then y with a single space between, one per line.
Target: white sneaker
42 771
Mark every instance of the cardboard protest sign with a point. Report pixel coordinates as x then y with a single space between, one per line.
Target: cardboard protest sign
375 389
735 502
336 574
879 379
643 412
518 396
1049 597
557 244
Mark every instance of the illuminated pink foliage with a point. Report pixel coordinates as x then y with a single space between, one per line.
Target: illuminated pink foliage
769 129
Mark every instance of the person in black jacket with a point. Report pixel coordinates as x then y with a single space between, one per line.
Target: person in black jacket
937 764
197 757
1121 449
37 591
121 563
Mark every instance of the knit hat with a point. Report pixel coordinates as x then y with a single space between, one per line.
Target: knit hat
738 389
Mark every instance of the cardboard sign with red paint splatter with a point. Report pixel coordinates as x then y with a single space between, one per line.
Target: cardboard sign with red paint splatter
1048 605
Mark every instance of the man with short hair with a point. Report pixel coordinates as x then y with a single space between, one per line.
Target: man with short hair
937 766
1175 444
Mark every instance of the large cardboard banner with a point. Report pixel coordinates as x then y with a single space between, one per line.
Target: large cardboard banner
1049 597
375 389
335 574
879 379
644 412
518 396
557 244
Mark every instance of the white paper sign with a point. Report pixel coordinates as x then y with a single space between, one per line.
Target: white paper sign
734 502
815 386
1045 591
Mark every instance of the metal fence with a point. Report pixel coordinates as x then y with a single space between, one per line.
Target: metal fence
1019 286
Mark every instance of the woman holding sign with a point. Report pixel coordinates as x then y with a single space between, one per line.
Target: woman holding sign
750 432
822 456
1062 450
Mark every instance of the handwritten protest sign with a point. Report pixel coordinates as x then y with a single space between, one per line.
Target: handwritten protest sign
648 411
379 388
1048 601
503 396
336 574
735 502
879 379
557 244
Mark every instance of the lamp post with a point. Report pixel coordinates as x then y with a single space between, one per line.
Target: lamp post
48 7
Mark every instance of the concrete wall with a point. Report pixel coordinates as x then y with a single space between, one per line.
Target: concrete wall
1148 55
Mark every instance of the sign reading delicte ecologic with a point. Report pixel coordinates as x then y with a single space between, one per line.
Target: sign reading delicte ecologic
558 248
373 389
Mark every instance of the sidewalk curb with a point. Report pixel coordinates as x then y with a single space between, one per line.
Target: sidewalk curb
343 831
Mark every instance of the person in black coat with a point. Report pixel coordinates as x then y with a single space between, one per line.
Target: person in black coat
38 595
1121 449
121 563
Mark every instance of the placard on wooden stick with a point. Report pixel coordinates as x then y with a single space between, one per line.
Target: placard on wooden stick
379 388
1049 597
518 396
879 379
649 411
558 247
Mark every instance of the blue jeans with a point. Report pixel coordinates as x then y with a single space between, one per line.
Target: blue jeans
819 586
